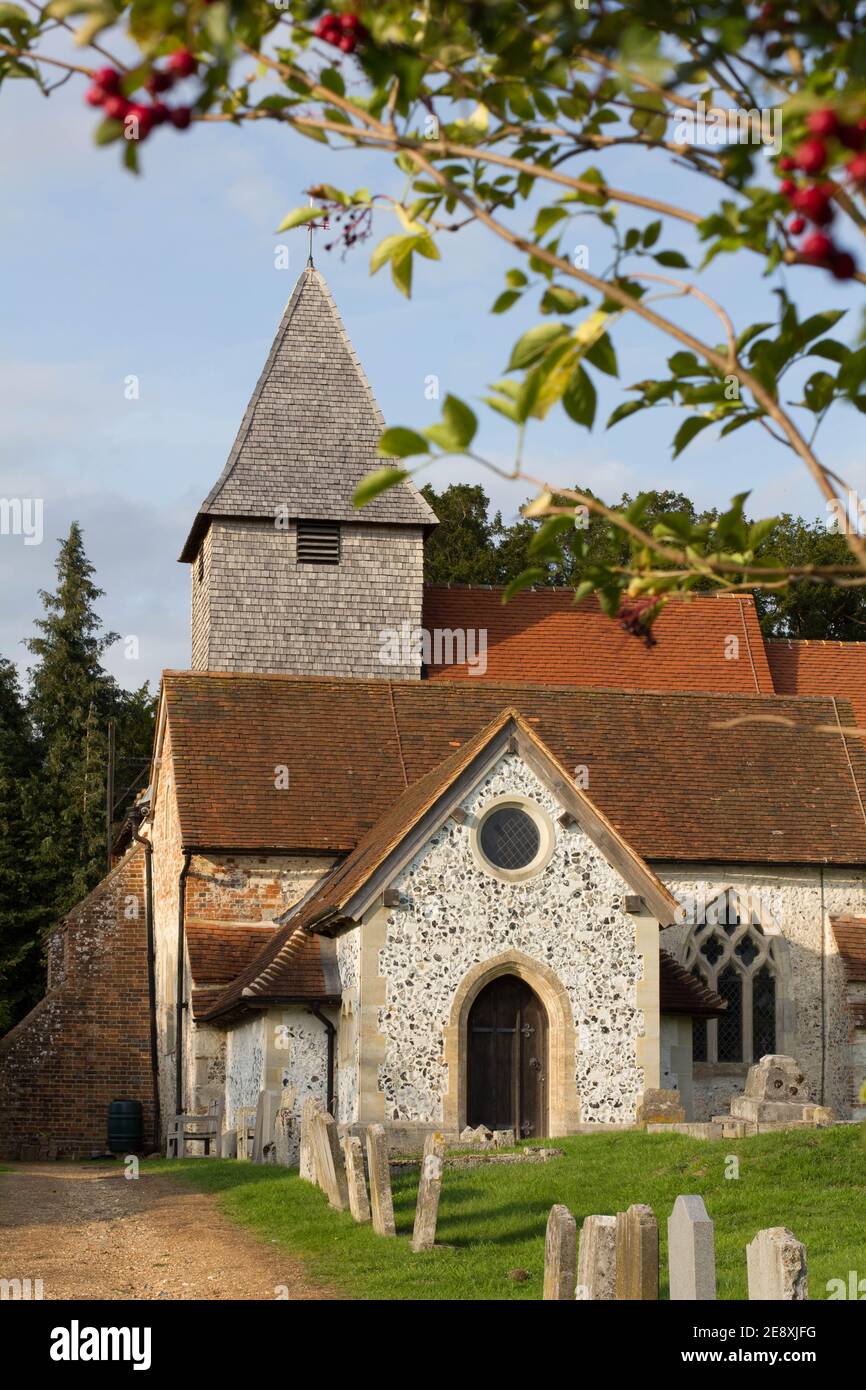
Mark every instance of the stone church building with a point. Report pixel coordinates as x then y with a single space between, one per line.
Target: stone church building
439 861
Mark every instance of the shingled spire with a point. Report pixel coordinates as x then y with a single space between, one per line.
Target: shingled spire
310 431
286 575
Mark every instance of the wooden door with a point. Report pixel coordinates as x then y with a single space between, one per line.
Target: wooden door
507 1059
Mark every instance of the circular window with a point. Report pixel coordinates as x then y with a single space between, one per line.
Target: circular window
509 838
513 839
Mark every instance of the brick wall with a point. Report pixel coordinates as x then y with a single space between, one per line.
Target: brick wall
265 612
88 1041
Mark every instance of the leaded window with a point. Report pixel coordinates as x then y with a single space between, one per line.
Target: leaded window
730 951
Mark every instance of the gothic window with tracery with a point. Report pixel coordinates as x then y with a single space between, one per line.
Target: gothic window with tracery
730 951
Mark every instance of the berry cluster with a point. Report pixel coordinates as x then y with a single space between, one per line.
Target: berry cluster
107 93
811 198
636 615
344 31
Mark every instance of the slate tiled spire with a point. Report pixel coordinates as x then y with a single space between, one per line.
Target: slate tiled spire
310 431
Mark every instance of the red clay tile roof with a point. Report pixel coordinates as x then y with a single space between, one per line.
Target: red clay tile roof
681 993
850 934
217 952
676 785
821 668
542 635
305 971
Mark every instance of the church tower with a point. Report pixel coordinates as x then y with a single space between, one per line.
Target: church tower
286 575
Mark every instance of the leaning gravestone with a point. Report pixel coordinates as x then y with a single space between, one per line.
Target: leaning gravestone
307 1155
381 1202
246 1117
429 1190
359 1204
776 1262
330 1168
560 1255
263 1138
637 1254
596 1259
691 1251
284 1134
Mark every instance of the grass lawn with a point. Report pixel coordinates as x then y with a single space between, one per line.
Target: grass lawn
492 1220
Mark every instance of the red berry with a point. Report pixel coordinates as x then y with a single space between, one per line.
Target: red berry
159 113
180 117
851 136
346 43
159 81
843 266
95 95
796 226
824 122
787 163
856 168
815 204
812 156
818 248
108 79
788 188
181 63
142 116
116 107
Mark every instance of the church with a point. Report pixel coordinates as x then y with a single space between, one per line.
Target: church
510 867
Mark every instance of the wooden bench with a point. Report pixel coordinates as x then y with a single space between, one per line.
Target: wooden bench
206 1130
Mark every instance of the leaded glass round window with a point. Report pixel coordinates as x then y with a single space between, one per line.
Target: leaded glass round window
509 838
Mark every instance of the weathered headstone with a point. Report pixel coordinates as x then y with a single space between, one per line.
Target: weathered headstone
307 1157
660 1108
228 1144
637 1254
560 1255
330 1168
245 1121
429 1190
284 1134
263 1138
596 1260
381 1202
776 1262
359 1204
691 1251
777 1092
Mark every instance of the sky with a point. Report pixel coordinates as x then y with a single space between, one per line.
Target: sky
173 278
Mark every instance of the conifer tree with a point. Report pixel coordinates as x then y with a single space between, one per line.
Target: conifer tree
20 912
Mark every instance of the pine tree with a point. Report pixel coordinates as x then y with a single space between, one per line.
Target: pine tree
20 912
70 701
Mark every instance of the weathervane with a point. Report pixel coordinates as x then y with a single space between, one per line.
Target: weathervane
312 227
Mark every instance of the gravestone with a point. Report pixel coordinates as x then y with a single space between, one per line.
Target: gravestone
263 1138
560 1255
660 1107
596 1259
637 1254
776 1092
381 1202
228 1144
691 1251
330 1169
246 1119
429 1190
776 1263
284 1134
307 1156
359 1203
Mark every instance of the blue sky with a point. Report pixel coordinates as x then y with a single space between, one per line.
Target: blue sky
171 277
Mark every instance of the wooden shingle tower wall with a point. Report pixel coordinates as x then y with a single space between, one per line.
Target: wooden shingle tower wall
286 575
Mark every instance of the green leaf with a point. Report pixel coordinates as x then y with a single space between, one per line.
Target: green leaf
505 301
385 250
651 235
672 258
376 482
297 217
535 343
560 300
399 442
525 580
550 530
602 355
516 279
623 411
547 218
687 431
831 349
460 421
401 273
579 398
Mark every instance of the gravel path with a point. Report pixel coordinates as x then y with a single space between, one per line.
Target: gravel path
88 1233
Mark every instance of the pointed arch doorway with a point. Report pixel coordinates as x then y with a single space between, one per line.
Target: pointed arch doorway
507 1059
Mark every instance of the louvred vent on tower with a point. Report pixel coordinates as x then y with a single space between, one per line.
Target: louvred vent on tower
318 543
